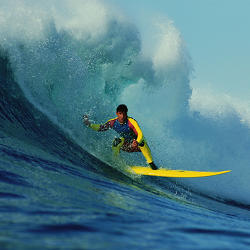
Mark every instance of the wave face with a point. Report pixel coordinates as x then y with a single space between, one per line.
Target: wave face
67 62
60 60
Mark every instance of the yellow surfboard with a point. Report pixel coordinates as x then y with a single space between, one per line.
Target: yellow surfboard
173 173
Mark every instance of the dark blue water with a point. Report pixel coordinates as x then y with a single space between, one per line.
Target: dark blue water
51 203
59 186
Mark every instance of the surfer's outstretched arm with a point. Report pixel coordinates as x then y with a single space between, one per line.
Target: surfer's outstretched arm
96 127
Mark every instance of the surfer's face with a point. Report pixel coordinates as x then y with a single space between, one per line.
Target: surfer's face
121 117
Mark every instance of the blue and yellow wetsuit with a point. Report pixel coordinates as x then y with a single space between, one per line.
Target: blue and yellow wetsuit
129 131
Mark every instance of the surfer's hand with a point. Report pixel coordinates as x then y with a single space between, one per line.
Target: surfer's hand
134 144
86 120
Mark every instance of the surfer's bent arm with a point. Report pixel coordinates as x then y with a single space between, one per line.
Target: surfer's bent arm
136 129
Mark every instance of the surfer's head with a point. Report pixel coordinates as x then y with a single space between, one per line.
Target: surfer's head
121 112
122 108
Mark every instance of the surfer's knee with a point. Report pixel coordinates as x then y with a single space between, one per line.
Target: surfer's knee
116 142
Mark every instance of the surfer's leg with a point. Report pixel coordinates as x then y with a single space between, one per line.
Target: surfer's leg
116 146
147 154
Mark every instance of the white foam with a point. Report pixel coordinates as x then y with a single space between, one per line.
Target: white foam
21 22
218 106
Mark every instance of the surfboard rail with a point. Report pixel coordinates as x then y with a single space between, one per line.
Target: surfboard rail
174 173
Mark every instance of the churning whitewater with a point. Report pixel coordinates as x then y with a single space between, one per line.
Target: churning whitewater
62 59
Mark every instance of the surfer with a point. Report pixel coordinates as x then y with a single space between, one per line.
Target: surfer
131 138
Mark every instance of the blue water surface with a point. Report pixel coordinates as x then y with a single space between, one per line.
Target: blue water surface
50 204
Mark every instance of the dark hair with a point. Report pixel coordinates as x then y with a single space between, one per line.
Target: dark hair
122 108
